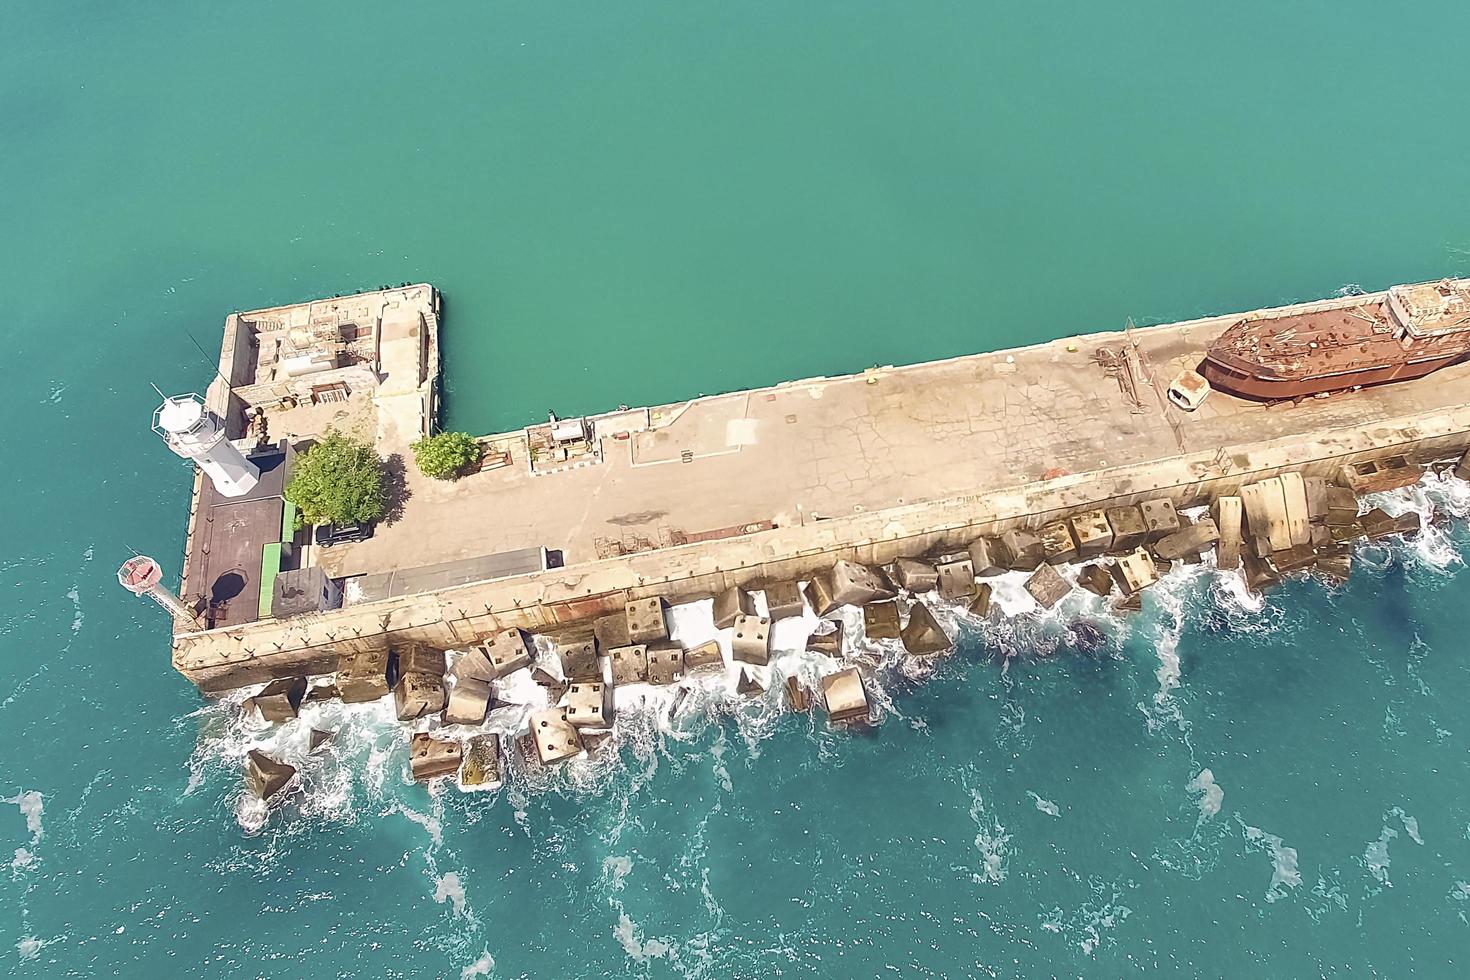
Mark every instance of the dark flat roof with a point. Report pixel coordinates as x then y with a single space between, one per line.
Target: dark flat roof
229 536
427 578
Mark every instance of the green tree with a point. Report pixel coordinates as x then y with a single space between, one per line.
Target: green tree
339 480
446 455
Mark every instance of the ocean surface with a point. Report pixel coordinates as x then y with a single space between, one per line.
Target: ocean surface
637 202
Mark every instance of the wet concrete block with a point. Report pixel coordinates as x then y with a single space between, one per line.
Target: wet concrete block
264 776
1377 524
956 580
1343 533
922 635
1023 550
589 705
1229 521
988 557
510 650
1298 517
592 742
416 695
556 738
1294 559
482 764
1095 579
417 658
784 601
468 702
829 644
844 695
363 676
1134 571
1462 468
1338 567
579 661
1264 504
880 620
751 641
1321 536
707 654
1047 586
733 602
1377 476
611 632
796 696
665 663
1056 543
1092 534
980 605
475 664
1128 527
646 621
820 596
915 575
1187 543
1342 506
1259 575
281 699
321 692
1159 518
430 757
847 584
748 685
1315 488
629 664
318 739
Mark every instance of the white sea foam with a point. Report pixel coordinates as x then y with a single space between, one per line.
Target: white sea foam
1411 824
31 806
29 948
1045 806
991 841
448 888
1375 855
626 932
1211 796
1284 873
480 968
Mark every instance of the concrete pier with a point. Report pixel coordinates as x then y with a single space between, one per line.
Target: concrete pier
775 485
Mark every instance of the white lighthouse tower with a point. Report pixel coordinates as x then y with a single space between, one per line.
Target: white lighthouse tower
193 432
141 575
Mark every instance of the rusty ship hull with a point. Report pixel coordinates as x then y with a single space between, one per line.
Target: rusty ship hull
1402 334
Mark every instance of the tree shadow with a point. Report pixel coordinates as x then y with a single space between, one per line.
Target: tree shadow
395 489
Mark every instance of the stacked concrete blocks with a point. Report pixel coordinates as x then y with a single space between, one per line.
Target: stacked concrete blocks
751 641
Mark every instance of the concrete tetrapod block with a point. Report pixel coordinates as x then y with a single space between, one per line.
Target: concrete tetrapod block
1342 507
1091 533
363 676
1229 522
319 738
796 695
589 705
988 557
482 762
844 695
1095 579
430 758
847 584
922 635
1134 571
733 602
629 664
751 642
469 702
784 600
1188 542
579 661
1057 544
510 650
980 605
1128 527
748 685
281 699
1022 549
665 663
611 632
416 695
417 658
1298 517
1160 519
1047 586
646 621
915 575
707 654
1377 524
264 776
1266 527
829 644
956 579
475 664
556 737
880 620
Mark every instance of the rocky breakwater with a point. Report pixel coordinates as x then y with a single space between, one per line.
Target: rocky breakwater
519 701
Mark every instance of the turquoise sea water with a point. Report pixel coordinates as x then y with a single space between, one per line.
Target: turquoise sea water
637 202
